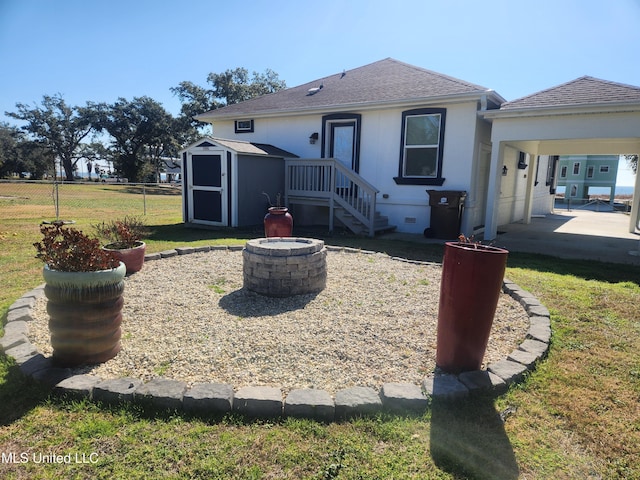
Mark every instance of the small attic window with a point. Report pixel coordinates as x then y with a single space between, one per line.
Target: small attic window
244 126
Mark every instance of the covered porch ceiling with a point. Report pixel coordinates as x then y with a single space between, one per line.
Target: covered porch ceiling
591 146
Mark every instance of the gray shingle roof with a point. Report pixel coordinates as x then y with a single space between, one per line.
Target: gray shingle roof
581 91
252 148
384 81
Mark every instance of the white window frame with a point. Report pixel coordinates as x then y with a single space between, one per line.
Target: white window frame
436 178
247 128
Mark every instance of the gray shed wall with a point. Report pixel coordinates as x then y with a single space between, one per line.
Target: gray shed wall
256 175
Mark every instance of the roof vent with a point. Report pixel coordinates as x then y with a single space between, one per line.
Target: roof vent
314 90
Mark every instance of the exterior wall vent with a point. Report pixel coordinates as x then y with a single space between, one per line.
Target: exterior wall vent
410 220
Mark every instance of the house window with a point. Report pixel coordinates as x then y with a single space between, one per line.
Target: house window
421 145
244 126
590 171
563 172
576 168
604 168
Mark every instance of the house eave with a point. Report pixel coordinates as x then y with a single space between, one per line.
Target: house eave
477 96
555 110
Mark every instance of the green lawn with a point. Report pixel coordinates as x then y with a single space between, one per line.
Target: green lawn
576 416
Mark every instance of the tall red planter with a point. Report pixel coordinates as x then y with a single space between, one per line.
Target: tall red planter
278 222
472 277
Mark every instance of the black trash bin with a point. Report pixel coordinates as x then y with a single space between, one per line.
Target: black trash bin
446 213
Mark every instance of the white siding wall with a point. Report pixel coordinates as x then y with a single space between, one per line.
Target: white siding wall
289 133
542 198
513 188
406 205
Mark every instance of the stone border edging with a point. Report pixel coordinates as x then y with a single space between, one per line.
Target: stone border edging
268 402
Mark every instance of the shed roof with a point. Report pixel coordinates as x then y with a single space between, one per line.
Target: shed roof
384 81
582 91
242 147
252 148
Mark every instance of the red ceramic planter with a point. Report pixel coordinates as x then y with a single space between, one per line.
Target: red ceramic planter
133 258
472 277
278 222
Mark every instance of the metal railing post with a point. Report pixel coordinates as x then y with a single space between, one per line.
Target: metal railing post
57 199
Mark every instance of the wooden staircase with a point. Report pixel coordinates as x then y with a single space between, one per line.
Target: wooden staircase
327 182
380 222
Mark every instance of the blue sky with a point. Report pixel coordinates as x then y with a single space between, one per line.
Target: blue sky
89 50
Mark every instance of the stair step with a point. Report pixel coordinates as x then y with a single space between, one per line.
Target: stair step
380 224
385 229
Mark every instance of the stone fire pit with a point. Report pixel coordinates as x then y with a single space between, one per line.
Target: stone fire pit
284 266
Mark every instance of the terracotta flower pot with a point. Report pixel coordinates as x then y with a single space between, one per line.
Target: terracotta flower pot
85 313
278 222
472 277
133 258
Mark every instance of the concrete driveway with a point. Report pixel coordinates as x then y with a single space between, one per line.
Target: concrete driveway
579 233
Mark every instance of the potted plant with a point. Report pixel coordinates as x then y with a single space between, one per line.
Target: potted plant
124 241
84 286
278 222
472 276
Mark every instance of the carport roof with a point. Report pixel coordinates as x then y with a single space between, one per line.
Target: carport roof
581 91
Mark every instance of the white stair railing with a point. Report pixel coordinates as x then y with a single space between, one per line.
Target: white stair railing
329 180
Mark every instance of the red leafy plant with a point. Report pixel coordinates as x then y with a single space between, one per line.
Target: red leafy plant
121 234
472 243
68 249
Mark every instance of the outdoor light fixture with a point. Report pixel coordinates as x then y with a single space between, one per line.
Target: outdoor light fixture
521 164
313 138
504 170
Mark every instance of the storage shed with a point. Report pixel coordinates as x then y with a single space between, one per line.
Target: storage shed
223 181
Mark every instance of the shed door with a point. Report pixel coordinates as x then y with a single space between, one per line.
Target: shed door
208 200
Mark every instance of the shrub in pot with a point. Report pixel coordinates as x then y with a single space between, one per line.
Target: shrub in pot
84 286
124 239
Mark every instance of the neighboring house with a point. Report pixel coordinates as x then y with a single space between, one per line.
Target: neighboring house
374 139
172 168
579 173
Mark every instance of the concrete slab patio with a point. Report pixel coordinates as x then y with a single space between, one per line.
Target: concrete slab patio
577 233
585 234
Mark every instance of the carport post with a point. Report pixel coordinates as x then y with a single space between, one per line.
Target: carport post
493 192
635 206
528 201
